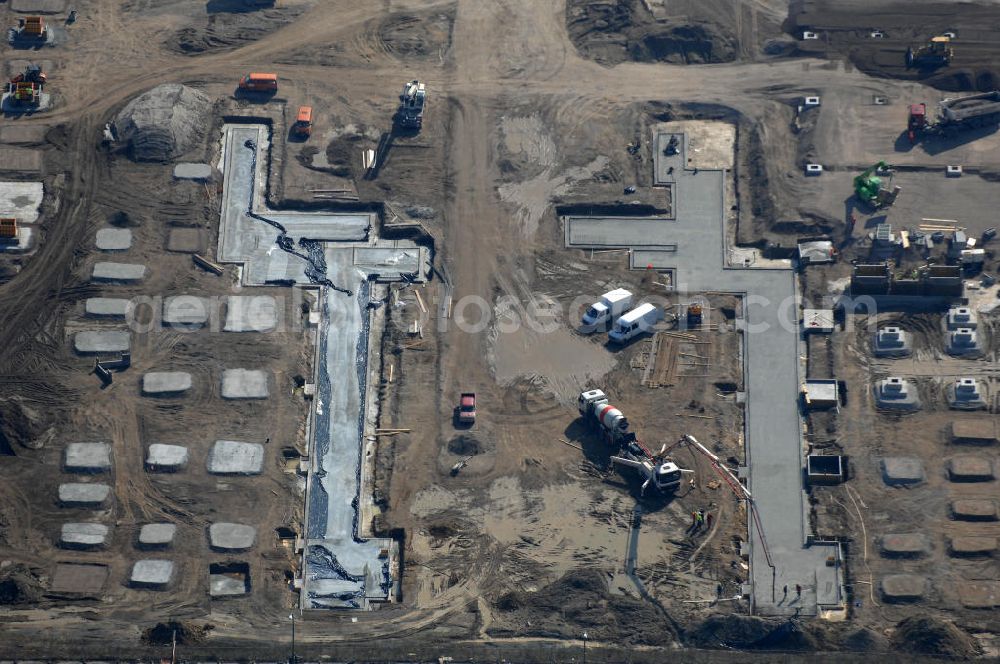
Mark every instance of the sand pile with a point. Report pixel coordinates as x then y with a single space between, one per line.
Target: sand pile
164 123
930 636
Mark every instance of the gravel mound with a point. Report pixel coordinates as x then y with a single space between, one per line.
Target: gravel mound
929 636
164 123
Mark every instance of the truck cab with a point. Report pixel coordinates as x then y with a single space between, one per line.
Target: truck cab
303 122
611 305
259 82
467 408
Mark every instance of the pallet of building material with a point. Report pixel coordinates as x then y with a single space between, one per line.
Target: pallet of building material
664 365
206 264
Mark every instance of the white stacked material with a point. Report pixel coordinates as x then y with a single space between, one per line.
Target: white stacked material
101 341
165 383
106 307
231 536
114 239
244 384
251 313
189 171
88 458
186 310
118 272
157 534
166 458
83 535
151 573
83 495
231 457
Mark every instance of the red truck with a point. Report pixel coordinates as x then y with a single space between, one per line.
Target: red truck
466 411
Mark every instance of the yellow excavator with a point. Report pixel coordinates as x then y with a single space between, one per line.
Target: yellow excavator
935 53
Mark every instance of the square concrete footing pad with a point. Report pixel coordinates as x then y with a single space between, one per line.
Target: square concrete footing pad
114 239
78 579
251 313
902 470
92 342
903 587
161 458
231 536
88 458
904 545
186 240
231 457
244 384
151 573
974 509
156 535
84 495
165 383
83 535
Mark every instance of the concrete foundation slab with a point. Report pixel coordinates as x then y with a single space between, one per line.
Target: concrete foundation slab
231 536
78 579
118 272
963 342
166 458
151 573
88 458
114 239
903 587
22 160
979 594
972 546
21 200
154 535
898 471
186 311
974 509
186 240
101 341
253 313
230 457
228 585
165 383
106 307
904 545
959 317
244 384
83 535
84 495
189 171
970 468
23 134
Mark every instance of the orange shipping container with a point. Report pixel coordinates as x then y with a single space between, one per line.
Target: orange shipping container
8 228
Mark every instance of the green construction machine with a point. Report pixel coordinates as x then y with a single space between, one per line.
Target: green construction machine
869 189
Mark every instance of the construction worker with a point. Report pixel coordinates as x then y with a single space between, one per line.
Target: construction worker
709 520
784 595
694 521
798 590
701 517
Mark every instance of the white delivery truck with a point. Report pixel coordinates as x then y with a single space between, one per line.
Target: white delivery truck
638 321
611 305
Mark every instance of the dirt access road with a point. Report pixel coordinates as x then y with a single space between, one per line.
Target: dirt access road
501 52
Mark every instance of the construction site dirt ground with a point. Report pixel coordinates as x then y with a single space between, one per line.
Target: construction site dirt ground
528 546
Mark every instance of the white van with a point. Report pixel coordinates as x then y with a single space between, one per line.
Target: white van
638 321
611 305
